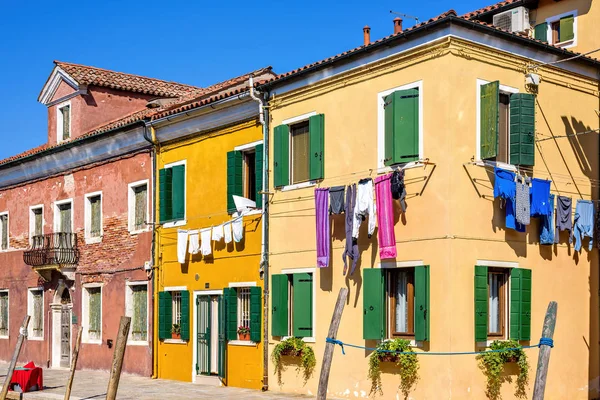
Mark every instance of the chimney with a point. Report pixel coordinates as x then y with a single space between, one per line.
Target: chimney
367 34
397 25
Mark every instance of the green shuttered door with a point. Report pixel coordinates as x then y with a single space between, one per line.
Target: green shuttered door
541 32
281 155
178 192
279 305
488 119
373 303
303 305
259 149
230 296
520 304
481 303
316 155
185 315
165 316
401 114
255 313
567 28
522 129
422 303
234 178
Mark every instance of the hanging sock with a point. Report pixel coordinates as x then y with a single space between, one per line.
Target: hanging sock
398 188
205 246
182 242
547 224
323 227
336 199
385 217
217 233
583 224
351 245
194 242
238 229
540 194
365 206
227 232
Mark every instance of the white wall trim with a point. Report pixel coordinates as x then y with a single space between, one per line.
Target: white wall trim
241 284
8 314
301 185
299 118
59 121
85 303
298 270
381 120
503 89
56 77
174 288
30 312
247 146
400 264
176 163
32 220
498 264
56 222
208 292
129 311
7 233
555 18
88 218
131 206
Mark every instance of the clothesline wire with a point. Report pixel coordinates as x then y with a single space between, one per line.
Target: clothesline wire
564 59
421 162
568 135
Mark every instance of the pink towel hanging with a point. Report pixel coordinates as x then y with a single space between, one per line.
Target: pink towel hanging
385 217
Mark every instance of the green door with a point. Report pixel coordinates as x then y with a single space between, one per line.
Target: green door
222 340
203 319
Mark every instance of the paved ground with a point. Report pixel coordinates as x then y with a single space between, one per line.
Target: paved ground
90 385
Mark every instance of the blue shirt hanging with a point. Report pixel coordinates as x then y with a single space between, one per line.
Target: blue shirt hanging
540 195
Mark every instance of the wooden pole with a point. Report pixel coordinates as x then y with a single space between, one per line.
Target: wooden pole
330 347
13 362
544 353
119 354
73 364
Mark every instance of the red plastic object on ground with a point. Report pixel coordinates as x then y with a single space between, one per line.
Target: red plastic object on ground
27 377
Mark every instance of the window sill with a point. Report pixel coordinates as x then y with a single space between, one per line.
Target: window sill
174 341
304 339
408 165
35 338
137 232
300 185
4 337
412 342
247 343
566 44
174 224
489 342
137 343
93 240
499 164
99 342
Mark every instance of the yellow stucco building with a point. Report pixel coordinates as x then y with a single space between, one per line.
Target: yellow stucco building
445 102
207 256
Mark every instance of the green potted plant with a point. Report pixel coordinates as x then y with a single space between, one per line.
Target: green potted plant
176 331
243 333
294 347
408 364
492 365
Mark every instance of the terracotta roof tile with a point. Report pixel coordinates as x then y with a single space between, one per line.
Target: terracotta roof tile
86 75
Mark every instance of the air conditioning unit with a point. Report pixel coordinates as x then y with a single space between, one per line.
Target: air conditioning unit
515 20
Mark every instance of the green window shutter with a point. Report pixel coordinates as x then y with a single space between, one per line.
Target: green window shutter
165 316
422 311
489 119
230 296
525 328
165 181
515 303
185 315
567 26
316 155
234 178
222 338
401 120
258 168
279 305
481 303
255 313
522 129
541 32
178 194
281 155
373 304
303 305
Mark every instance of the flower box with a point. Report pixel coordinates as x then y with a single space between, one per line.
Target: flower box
244 336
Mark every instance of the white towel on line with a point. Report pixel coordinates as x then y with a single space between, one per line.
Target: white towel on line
194 242
182 241
227 232
217 233
206 245
238 229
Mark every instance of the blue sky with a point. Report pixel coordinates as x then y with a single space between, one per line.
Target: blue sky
195 42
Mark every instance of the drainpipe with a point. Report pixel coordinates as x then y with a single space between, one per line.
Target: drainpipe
264 264
154 275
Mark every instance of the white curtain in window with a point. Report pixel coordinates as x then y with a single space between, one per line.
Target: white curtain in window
401 302
494 303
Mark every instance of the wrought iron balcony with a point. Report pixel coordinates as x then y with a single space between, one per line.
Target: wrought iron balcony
53 249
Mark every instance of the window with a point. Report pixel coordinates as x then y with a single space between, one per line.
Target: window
63 119
138 206
93 217
63 216
137 310
172 193
243 307
396 302
36 221
505 124
35 308
174 309
92 314
293 308
4 231
4 313
244 174
502 303
299 150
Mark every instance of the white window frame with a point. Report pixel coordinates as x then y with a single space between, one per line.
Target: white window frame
567 43
7 234
248 148
59 121
381 125
30 311
56 224
8 314
32 220
504 89
183 221
289 122
88 218
129 312
131 206
176 289
312 271
85 304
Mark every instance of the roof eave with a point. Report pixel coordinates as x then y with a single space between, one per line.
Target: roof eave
57 76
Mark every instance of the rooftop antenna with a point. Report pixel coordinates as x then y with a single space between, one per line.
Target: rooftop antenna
405 16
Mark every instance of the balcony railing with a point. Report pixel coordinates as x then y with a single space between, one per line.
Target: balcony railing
52 249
